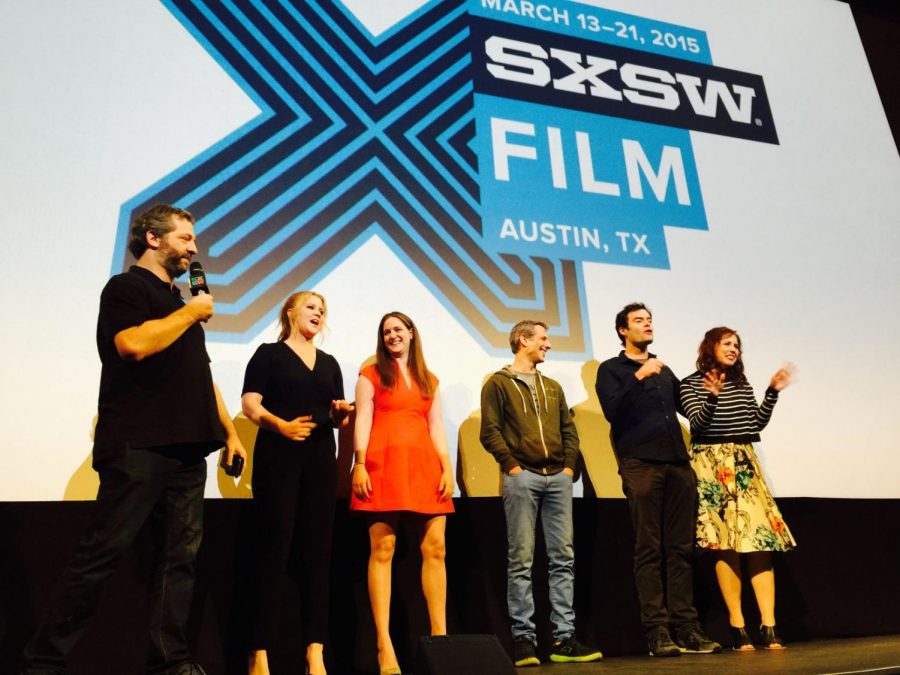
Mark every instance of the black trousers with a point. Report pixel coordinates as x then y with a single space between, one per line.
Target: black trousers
294 501
164 486
662 500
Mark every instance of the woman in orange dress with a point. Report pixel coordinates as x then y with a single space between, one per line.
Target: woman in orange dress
401 468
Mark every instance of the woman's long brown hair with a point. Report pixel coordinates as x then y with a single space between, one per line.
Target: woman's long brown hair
706 355
384 362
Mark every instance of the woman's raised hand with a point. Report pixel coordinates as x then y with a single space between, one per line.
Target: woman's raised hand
783 376
713 381
339 411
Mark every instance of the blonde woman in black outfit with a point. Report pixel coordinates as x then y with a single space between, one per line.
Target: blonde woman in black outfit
738 517
294 392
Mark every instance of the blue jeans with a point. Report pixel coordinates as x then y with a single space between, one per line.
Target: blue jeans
526 495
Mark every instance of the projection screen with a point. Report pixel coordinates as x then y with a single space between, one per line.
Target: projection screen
471 164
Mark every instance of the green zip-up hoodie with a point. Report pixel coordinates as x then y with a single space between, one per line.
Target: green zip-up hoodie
542 441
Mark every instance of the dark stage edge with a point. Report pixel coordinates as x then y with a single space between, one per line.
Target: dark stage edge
841 582
876 655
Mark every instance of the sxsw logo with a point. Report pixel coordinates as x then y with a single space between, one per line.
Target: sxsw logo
633 83
583 131
494 146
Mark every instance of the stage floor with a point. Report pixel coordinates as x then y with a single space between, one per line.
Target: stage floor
814 601
877 655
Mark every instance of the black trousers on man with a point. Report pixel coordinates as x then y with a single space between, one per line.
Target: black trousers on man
163 486
662 499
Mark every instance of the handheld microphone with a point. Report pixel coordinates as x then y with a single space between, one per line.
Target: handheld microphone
198 279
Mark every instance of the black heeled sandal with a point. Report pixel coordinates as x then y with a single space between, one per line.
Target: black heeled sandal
770 637
740 641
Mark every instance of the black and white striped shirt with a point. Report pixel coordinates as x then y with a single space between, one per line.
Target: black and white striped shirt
731 417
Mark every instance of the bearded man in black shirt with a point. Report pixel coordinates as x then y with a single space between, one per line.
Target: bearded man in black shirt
159 415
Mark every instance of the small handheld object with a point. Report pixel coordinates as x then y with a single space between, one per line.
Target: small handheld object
235 468
198 279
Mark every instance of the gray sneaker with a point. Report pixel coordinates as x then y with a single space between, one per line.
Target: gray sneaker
692 640
661 644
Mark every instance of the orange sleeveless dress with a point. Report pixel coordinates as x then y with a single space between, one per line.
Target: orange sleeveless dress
401 459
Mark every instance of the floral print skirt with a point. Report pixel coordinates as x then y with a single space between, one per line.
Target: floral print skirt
736 509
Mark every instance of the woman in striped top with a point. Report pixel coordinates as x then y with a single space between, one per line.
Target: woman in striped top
738 517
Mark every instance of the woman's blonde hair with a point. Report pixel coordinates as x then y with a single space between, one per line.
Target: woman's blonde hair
293 300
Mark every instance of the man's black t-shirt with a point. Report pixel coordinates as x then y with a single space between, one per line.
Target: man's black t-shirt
165 399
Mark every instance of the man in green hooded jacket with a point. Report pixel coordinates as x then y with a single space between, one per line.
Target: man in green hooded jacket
527 427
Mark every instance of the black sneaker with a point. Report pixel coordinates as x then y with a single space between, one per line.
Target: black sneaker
661 644
524 654
692 640
571 650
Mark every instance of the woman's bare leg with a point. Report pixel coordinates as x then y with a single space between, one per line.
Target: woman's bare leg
258 663
728 573
382 541
434 573
762 577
